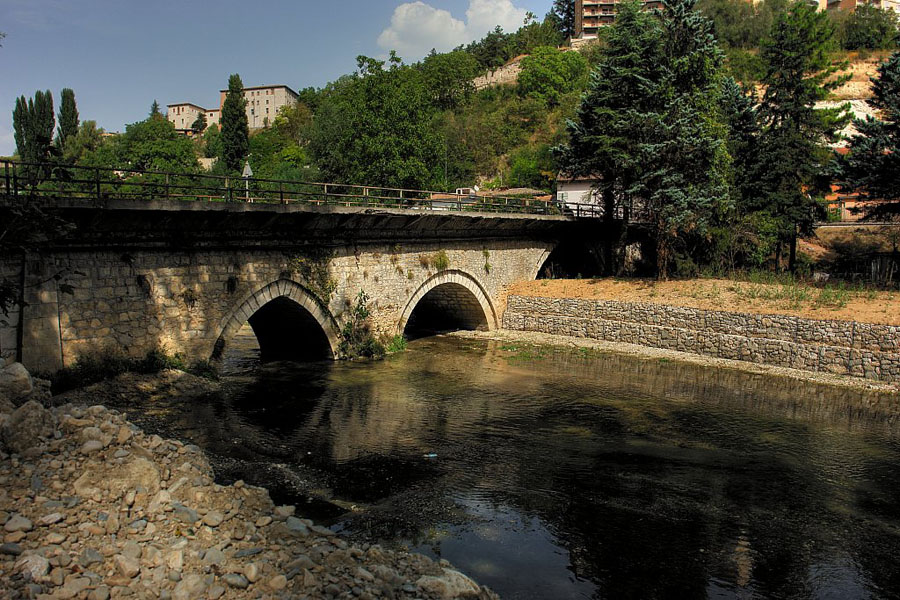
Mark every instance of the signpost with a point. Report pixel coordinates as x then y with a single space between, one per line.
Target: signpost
247 174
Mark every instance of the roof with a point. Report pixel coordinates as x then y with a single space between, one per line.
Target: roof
267 87
185 104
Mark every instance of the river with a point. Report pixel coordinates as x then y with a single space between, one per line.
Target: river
557 473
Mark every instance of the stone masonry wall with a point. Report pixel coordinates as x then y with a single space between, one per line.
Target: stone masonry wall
179 300
847 348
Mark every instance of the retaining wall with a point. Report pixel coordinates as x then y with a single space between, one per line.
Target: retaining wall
864 350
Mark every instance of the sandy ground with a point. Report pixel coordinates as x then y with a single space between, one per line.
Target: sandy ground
545 339
728 295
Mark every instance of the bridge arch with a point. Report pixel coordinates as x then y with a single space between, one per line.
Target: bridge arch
451 297
289 322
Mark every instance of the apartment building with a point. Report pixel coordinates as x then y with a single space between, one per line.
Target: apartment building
263 103
591 15
850 5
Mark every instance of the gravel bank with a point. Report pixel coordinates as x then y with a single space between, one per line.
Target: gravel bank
93 508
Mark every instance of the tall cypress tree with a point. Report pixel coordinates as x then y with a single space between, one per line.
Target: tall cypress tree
33 123
235 129
872 166
793 154
68 118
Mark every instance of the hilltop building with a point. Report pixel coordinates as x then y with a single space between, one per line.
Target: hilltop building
591 15
263 103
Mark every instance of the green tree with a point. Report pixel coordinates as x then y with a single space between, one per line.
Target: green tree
68 118
235 130
86 141
155 112
565 11
449 77
199 124
33 125
212 142
793 154
549 73
872 28
149 145
293 121
377 129
491 51
872 165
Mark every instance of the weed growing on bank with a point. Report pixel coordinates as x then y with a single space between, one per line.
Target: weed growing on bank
88 370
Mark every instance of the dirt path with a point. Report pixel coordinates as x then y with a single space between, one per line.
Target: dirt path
736 296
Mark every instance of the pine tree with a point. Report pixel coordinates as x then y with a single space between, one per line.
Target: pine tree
872 166
565 12
649 127
155 112
235 129
68 118
199 124
793 154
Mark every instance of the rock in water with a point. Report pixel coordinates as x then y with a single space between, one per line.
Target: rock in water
26 427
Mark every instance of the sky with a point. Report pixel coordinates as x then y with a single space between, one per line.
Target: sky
120 55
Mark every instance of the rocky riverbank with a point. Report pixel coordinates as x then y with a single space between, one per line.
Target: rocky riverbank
93 508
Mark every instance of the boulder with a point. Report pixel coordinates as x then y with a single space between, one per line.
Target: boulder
15 382
452 584
26 427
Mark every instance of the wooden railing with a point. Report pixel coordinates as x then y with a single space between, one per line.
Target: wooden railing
35 180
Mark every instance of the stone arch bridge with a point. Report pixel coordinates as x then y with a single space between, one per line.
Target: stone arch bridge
138 274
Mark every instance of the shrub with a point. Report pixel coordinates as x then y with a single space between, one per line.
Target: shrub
357 338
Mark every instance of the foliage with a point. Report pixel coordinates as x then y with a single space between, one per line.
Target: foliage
744 65
292 122
649 128
395 344
212 141
871 28
357 338
94 368
149 145
440 261
68 118
448 78
565 12
872 164
741 24
156 111
792 150
85 141
33 123
235 130
376 129
313 267
548 73
532 167
199 124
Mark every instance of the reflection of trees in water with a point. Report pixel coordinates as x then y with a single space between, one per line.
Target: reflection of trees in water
656 477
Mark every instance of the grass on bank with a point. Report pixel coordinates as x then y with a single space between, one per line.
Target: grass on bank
88 370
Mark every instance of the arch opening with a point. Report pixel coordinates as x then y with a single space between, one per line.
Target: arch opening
287 331
572 260
446 307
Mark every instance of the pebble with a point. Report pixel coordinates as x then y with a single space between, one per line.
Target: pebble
213 556
252 572
236 581
213 518
51 518
11 549
88 557
185 514
18 523
91 446
278 583
127 566
35 565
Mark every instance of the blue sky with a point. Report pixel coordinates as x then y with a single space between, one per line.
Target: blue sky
120 55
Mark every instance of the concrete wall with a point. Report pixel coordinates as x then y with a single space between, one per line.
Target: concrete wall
185 301
846 348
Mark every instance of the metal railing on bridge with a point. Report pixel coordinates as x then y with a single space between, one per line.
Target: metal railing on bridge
46 180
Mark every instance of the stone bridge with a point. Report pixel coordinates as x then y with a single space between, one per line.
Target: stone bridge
185 277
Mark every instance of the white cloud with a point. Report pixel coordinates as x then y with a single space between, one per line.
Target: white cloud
417 27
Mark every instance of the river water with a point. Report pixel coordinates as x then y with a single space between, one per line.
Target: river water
556 473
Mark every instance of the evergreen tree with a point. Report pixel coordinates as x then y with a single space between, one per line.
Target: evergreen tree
235 129
199 124
650 126
155 112
33 123
606 132
793 154
565 11
872 166
68 118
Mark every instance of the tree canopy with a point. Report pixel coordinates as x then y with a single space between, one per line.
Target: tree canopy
547 74
68 118
235 128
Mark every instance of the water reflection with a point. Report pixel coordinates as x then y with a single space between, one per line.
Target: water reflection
564 474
